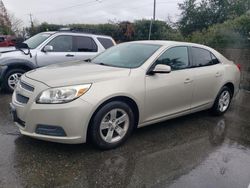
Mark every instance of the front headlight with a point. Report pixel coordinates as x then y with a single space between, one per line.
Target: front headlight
62 94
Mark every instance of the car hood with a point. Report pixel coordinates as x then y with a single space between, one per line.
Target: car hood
7 49
74 73
14 53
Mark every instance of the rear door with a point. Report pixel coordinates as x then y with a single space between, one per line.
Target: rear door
207 71
84 47
62 51
170 94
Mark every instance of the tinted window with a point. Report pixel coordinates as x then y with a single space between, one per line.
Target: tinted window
201 57
127 55
176 58
106 43
214 59
62 43
85 44
1 39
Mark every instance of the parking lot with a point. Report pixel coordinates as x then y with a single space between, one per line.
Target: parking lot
198 150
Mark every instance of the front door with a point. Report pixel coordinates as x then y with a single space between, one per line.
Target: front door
170 94
62 51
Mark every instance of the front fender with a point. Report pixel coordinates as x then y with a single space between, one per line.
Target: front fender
5 63
16 61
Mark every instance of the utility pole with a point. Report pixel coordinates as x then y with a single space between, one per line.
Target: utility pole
154 10
151 23
31 21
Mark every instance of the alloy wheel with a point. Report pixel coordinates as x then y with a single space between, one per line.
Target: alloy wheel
114 125
224 101
13 80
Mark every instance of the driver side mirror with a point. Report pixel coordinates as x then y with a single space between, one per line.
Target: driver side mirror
48 48
161 69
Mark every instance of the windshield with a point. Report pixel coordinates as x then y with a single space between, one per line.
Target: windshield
36 40
127 55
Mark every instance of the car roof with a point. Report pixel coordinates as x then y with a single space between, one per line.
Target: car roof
76 33
170 43
167 43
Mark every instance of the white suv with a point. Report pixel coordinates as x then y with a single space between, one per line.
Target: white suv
49 48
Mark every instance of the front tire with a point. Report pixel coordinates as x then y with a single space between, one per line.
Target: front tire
11 79
112 125
222 102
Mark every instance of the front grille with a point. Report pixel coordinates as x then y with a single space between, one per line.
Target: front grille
26 86
22 99
50 130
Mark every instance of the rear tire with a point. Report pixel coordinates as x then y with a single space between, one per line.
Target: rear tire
11 79
222 102
112 125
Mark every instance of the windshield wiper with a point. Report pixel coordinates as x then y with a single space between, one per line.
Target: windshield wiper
104 64
87 60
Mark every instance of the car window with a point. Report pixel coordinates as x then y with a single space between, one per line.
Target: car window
1 39
85 44
126 55
214 59
176 58
62 43
201 57
36 40
106 43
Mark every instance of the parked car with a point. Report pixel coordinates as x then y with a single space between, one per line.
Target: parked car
128 86
7 40
49 48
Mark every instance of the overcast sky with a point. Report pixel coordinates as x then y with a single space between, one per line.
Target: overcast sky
90 11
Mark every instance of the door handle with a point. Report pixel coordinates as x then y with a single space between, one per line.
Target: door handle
188 80
69 55
218 74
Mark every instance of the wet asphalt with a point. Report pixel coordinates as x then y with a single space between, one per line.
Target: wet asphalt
195 151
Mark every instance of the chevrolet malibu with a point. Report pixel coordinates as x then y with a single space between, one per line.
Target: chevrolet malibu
128 86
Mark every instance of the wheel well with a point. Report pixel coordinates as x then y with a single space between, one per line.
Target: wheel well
16 66
127 100
230 86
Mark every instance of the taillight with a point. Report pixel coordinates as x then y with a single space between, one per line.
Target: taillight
239 67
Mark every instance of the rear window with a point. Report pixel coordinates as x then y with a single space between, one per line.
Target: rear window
85 44
201 57
106 43
214 59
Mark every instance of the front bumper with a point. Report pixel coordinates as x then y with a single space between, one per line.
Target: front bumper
73 117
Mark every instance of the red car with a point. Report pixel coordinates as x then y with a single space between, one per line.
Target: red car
7 40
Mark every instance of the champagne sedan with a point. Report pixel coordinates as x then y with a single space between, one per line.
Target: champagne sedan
128 86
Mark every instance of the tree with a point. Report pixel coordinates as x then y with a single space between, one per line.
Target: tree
196 16
126 31
16 24
5 24
232 33
160 31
